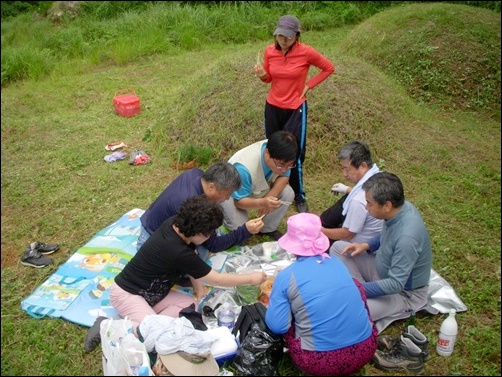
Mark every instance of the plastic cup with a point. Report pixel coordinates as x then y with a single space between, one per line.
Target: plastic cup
267 249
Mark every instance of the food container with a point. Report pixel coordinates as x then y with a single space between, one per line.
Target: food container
224 348
266 289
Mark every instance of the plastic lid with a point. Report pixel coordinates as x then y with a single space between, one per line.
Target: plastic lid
226 305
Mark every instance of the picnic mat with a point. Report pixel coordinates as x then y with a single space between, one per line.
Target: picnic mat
78 290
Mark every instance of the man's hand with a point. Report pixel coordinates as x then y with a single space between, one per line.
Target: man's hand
339 188
254 225
269 204
355 248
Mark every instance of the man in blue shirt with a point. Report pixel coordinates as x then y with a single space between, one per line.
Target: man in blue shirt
216 183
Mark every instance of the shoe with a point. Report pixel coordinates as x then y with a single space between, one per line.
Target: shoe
419 339
405 356
33 258
93 337
387 343
44 248
274 234
301 206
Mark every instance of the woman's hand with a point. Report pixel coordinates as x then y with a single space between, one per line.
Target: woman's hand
305 90
200 293
258 277
260 72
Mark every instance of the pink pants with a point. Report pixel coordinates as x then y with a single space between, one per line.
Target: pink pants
343 361
136 308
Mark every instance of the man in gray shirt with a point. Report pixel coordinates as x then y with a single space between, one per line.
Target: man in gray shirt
394 267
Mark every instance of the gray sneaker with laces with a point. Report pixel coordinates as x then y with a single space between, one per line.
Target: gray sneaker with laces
405 356
33 258
419 339
45 248
387 342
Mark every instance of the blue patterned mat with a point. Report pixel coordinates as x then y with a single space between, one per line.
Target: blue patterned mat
78 290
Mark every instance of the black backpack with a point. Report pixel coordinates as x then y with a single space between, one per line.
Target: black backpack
260 350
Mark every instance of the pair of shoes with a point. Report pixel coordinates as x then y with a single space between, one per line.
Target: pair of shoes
301 206
93 337
406 355
44 248
32 257
274 234
387 342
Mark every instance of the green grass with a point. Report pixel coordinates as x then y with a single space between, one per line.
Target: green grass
57 188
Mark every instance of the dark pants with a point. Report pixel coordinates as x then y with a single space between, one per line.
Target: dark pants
332 217
294 121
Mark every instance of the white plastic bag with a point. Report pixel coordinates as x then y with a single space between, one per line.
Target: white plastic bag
123 353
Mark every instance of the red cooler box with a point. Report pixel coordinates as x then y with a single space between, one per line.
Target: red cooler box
126 103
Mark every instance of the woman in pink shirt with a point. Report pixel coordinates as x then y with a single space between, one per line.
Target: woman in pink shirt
286 65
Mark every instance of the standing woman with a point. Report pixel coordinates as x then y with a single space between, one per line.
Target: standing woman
286 65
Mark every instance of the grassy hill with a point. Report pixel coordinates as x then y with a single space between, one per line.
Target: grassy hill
419 83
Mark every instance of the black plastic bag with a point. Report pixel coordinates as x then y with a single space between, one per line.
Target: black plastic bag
260 350
193 316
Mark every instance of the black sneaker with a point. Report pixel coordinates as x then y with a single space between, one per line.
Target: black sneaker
33 258
93 337
301 206
274 234
44 248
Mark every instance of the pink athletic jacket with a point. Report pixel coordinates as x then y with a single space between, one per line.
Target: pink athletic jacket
288 73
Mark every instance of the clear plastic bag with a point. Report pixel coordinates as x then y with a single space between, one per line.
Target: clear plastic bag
123 353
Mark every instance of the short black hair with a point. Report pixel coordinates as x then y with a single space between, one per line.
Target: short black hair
283 146
198 215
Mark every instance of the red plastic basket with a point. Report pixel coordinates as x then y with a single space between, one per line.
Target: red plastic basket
126 103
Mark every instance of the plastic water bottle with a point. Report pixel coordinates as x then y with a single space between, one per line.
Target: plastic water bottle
447 335
226 316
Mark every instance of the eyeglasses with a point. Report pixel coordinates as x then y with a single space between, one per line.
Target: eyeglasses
282 167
